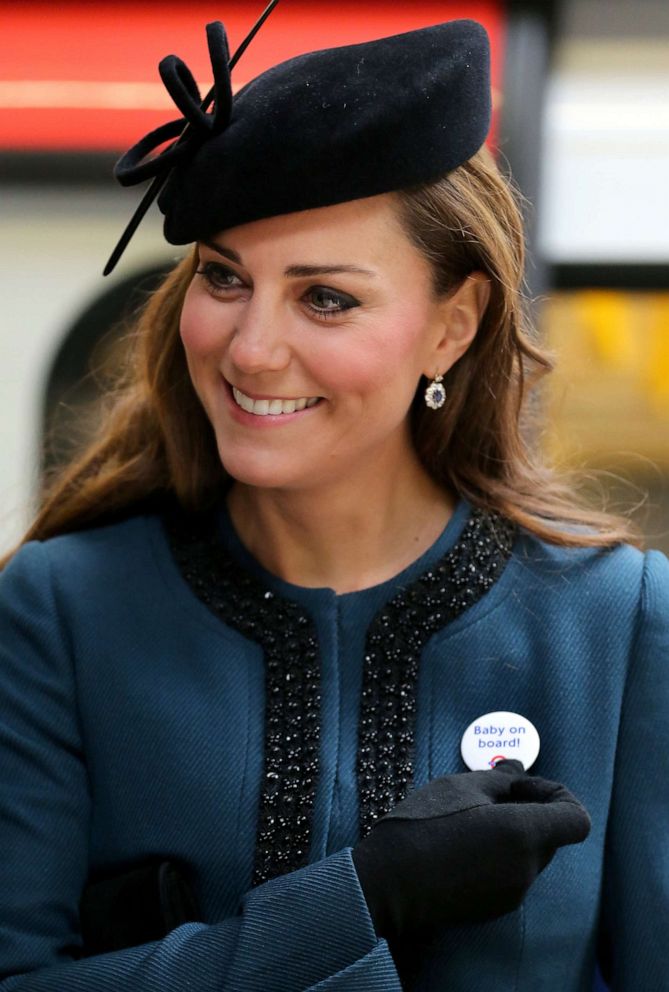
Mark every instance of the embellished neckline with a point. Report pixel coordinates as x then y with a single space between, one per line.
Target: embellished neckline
428 595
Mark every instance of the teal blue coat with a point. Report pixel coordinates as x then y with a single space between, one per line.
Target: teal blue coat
131 725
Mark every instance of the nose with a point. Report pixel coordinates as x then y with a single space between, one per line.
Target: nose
260 338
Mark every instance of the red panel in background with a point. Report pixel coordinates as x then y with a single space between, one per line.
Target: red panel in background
83 76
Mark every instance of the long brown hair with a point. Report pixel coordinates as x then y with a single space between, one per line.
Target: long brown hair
156 442
482 443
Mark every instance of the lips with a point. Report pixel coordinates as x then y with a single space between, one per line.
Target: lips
271 407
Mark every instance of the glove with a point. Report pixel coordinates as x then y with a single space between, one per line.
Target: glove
463 849
135 907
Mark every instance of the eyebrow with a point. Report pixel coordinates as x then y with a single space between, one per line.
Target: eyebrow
293 271
228 253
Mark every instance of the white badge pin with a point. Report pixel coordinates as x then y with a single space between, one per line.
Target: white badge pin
495 736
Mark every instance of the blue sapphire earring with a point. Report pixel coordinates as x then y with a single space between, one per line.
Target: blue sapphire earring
435 394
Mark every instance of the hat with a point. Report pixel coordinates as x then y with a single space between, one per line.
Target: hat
319 129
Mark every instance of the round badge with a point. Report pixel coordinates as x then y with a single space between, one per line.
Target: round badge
495 736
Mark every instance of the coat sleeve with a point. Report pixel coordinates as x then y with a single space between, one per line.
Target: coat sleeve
307 930
636 880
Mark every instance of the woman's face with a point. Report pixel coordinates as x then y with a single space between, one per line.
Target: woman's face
306 336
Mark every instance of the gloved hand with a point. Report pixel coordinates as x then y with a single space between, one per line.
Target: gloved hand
141 904
463 849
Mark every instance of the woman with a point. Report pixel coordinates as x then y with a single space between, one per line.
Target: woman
310 548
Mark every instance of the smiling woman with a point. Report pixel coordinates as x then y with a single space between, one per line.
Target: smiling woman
244 637
254 338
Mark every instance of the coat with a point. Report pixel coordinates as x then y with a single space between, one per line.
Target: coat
132 725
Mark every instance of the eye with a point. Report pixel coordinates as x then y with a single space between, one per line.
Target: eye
219 277
324 302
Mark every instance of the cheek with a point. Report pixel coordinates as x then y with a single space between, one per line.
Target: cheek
356 371
202 327
391 359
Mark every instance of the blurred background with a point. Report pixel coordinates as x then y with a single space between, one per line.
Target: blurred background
581 122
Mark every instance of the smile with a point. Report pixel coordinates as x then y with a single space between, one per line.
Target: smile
265 408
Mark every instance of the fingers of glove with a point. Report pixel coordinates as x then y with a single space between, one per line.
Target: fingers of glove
568 819
458 793
568 822
553 811
538 790
540 827
510 766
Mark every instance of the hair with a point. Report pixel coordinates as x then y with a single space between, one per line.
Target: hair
156 443
482 444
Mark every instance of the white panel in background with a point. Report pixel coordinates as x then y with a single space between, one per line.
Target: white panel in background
605 190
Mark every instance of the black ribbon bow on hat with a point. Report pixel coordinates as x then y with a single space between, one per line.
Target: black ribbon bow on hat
195 126
190 131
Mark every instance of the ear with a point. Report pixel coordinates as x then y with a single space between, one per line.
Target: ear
459 319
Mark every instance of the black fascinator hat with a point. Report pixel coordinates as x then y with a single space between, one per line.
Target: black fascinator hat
320 129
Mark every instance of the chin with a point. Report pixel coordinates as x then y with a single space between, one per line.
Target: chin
262 471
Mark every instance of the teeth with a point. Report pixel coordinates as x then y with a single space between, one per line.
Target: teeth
263 408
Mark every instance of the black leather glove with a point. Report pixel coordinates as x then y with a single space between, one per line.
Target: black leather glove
135 906
463 849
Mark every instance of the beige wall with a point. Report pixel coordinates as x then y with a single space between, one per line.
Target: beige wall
54 244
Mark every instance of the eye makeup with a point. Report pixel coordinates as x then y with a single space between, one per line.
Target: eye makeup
322 302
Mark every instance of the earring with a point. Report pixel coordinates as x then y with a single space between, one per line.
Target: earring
435 394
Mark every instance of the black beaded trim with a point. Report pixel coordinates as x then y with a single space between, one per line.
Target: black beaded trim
394 644
292 689
288 637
